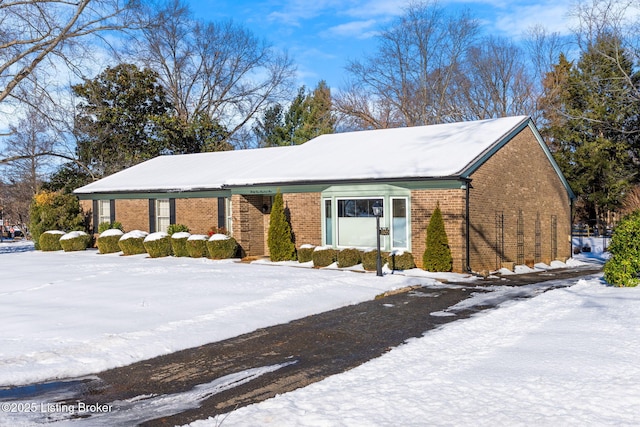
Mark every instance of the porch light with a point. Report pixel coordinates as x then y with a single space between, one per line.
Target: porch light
377 212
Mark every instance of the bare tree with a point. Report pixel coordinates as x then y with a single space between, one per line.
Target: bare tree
496 82
410 79
219 69
36 30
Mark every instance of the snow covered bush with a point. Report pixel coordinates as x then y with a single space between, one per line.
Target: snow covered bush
324 256
75 241
280 239
400 260
437 255
305 253
132 243
177 228
108 241
157 244
179 243
104 226
221 246
624 265
50 240
197 246
54 211
369 259
349 257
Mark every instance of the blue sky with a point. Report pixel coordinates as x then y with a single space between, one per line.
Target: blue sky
323 35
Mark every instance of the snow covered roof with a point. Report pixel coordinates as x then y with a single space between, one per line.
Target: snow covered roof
436 151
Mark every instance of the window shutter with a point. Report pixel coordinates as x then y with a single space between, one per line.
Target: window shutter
152 215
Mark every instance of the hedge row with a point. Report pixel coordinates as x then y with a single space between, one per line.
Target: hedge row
324 256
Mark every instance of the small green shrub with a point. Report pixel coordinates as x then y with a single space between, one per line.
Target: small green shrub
104 226
158 244
75 241
108 241
305 253
369 259
323 256
400 260
280 238
177 228
179 243
221 246
624 265
197 246
132 243
349 257
437 255
50 240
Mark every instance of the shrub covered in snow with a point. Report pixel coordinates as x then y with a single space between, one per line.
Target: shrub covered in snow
50 240
104 226
624 265
177 228
324 256
132 243
400 260
157 244
305 253
179 243
197 246
221 246
108 241
349 257
75 241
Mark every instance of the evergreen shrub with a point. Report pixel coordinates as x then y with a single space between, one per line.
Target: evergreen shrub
324 256
437 255
197 246
108 241
179 243
305 253
280 239
349 257
401 260
623 266
369 259
177 228
132 243
50 240
75 241
104 226
54 211
157 244
221 246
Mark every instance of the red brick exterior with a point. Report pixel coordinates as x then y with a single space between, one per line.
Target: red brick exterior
520 184
200 215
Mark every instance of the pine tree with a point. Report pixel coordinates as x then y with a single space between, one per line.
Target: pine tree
437 255
281 246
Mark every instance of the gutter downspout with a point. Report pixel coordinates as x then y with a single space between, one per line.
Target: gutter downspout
468 187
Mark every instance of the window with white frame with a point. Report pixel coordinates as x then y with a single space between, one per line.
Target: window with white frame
399 223
356 224
163 214
104 211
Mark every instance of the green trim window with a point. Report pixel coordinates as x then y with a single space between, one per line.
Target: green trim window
328 222
399 223
104 211
356 224
163 214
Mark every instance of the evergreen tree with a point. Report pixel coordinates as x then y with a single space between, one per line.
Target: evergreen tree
590 113
281 246
308 116
437 254
54 211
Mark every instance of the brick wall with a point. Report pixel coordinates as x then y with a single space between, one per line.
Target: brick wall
305 217
452 205
249 223
197 214
519 183
133 214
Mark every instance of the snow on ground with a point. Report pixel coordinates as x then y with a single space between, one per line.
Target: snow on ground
68 314
566 357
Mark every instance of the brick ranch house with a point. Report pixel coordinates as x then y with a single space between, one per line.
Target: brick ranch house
503 197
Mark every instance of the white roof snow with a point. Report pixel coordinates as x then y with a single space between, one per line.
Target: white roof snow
414 152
